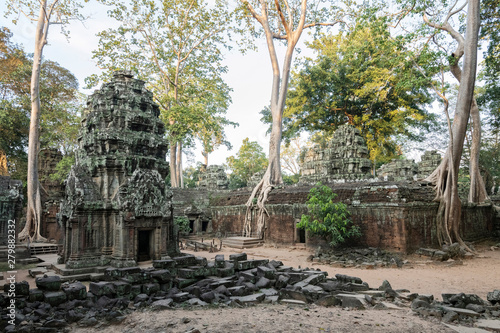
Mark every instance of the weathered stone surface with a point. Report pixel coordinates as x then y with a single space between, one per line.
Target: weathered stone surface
75 290
55 298
11 201
119 176
213 178
353 301
488 324
162 304
102 288
49 283
250 299
398 170
463 312
494 297
344 158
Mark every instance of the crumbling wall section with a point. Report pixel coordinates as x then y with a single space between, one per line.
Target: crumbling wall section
11 206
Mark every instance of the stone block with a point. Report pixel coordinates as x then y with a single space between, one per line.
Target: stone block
162 264
269 273
463 312
353 301
162 275
328 300
238 257
250 299
122 288
494 297
36 295
49 283
75 290
55 298
150 288
22 288
102 288
184 261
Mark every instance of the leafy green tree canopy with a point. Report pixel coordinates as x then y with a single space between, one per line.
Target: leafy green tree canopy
249 160
362 76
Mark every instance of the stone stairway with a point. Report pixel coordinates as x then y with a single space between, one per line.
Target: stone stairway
242 242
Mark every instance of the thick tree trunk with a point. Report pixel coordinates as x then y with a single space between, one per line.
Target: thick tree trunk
477 191
446 175
173 165
205 158
34 211
4 169
180 178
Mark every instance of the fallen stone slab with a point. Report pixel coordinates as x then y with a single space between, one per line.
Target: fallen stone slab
196 301
55 298
269 292
489 324
250 299
249 264
353 301
293 302
387 306
238 257
162 304
494 297
463 312
75 290
34 272
102 288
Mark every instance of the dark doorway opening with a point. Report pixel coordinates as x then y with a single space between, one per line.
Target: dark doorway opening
204 226
191 226
301 235
144 246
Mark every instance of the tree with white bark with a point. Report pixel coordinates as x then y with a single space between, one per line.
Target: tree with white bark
44 13
462 65
279 20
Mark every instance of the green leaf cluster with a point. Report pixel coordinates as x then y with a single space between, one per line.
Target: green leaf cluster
326 218
182 222
249 160
365 77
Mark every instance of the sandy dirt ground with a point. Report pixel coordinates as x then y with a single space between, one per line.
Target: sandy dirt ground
479 275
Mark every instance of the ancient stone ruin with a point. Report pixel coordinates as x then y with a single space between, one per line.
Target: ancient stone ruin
11 206
214 178
344 159
429 162
52 193
398 170
117 209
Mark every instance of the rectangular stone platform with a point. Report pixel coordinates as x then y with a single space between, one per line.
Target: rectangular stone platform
242 242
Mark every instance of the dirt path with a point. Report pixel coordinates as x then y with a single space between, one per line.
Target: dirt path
476 276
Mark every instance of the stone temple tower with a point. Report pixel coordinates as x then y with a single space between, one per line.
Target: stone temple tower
117 209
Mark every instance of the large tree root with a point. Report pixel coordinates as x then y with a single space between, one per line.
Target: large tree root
31 230
261 193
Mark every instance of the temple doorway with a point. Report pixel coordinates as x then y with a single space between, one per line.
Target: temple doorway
143 245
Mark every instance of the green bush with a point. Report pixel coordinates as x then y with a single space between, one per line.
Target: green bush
326 218
183 223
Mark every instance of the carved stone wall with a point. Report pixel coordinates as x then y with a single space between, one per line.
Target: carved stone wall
117 208
344 159
214 178
52 193
398 170
11 206
429 162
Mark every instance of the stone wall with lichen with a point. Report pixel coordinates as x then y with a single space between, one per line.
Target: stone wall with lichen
11 206
116 202
52 192
392 215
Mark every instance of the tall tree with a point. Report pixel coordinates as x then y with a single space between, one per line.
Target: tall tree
446 175
175 46
58 12
365 77
280 20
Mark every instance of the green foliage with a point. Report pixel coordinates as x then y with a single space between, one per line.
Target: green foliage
290 180
249 160
192 175
60 101
236 182
326 218
63 168
364 77
175 46
182 222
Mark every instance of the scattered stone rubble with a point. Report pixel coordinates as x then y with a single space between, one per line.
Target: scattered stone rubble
453 251
194 281
368 258
430 160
